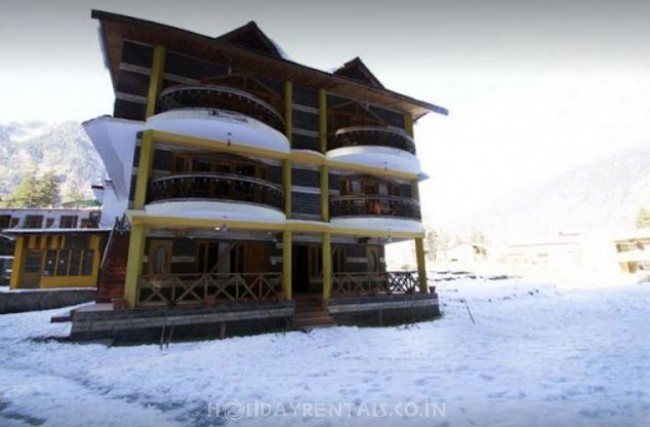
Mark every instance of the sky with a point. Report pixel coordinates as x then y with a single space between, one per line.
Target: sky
533 88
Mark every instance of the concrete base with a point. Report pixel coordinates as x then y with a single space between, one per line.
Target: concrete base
43 299
156 324
384 310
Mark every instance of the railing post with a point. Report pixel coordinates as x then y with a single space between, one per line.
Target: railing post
286 264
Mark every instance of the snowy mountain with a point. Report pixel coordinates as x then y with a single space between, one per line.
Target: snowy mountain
63 147
606 193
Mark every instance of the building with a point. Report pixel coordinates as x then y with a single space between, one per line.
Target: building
246 177
54 247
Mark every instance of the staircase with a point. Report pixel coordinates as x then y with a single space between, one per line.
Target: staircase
113 273
311 312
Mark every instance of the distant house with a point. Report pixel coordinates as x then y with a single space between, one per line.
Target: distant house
633 252
463 252
54 248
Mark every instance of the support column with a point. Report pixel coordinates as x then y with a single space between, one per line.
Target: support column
422 269
144 169
155 79
134 264
322 120
286 186
327 266
408 124
324 194
288 110
18 266
286 264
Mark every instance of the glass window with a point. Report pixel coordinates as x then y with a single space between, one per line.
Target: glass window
5 221
63 261
50 263
87 263
33 262
33 221
68 221
75 262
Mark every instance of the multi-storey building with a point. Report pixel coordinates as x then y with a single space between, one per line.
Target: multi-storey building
247 177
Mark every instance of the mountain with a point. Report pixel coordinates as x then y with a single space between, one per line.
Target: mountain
606 193
63 147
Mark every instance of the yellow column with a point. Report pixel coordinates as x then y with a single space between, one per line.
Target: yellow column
324 194
327 266
286 264
422 269
134 264
286 185
94 245
147 148
155 79
288 110
322 120
408 124
18 266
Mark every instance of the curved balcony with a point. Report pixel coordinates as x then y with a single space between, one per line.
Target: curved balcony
386 206
373 136
374 146
216 195
214 97
374 212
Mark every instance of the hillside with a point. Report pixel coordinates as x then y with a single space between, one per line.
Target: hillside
605 193
63 147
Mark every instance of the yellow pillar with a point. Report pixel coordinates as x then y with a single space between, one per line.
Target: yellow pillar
97 259
324 194
422 269
408 124
286 185
288 110
322 120
327 266
147 148
134 264
155 79
286 264
18 266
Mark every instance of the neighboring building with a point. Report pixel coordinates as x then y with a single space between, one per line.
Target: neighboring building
54 248
248 177
633 252
591 258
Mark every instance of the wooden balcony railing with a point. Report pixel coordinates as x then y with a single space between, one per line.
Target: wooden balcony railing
386 283
387 206
178 289
212 97
215 186
370 136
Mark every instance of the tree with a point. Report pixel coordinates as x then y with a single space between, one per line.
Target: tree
437 242
643 218
35 192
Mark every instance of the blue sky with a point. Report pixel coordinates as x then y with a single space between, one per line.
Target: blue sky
534 88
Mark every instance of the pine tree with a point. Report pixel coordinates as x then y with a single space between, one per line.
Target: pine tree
643 218
35 192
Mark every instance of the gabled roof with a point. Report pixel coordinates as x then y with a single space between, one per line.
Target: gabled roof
115 28
250 37
357 70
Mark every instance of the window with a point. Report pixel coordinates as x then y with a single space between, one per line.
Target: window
68 221
338 259
160 257
5 221
33 261
237 258
33 221
69 262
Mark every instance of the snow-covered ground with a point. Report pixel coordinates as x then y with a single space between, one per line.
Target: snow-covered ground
536 356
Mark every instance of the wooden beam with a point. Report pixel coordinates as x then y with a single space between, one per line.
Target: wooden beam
322 120
147 148
134 264
327 266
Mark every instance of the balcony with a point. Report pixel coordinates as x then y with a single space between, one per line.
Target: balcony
374 146
374 212
216 195
220 113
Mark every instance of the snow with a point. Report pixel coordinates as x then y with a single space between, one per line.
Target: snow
537 356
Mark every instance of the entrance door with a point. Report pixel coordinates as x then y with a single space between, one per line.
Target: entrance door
300 268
